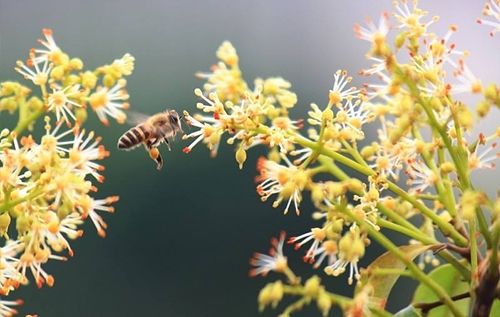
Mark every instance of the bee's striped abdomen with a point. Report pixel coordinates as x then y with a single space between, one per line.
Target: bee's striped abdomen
133 137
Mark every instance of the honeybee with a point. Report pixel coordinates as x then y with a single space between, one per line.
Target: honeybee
151 132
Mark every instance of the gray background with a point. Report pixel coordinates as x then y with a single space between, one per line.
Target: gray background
180 240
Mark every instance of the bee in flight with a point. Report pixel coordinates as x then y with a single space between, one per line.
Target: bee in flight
151 131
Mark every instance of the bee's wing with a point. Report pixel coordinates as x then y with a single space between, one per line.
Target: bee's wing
135 118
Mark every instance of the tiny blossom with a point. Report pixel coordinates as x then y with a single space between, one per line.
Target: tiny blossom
278 88
124 65
60 103
469 82
351 249
378 67
482 160
410 19
8 262
285 181
421 176
39 76
89 207
209 132
351 117
83 152
327 250
53 232
387 157
315 116
374 34
225 77
110 102
275 261
6 310
51 52
492 9
317 235
339 92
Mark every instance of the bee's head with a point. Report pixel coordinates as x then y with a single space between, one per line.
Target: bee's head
175 119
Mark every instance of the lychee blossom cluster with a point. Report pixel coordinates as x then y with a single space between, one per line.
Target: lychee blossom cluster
48 183
67 88
423 146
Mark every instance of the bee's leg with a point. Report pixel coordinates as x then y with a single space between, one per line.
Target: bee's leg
154 153
167 143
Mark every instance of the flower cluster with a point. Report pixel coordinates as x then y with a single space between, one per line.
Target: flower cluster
67 88
48 182
416 166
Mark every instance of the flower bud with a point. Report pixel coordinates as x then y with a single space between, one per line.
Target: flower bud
89 80
8 104
35 104
312 287
108 80
483 108
8 88
447 167
491 93
324 303
400 40
76 64
57 72
241 157
81 115
4 224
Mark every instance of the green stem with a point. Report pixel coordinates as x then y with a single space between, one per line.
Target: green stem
416 272
446 227
11 203
444 254
473 258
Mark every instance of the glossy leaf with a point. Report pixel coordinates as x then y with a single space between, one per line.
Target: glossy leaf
382 284
451 280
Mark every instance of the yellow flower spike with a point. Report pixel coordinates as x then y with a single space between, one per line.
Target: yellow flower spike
312 287
241 156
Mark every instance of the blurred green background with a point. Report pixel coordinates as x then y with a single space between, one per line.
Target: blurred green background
180 239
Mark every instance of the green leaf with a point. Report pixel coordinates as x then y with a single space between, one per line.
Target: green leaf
451 280
408 311
383 283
